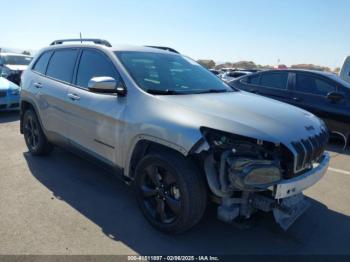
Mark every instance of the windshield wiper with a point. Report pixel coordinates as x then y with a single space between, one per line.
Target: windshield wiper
163 92
211 91
179 92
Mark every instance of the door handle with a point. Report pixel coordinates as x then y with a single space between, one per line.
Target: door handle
73 97
296 99
38 85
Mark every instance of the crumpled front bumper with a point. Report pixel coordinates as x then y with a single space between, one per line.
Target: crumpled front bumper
294 186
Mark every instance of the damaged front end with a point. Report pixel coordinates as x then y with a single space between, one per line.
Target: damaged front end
246 175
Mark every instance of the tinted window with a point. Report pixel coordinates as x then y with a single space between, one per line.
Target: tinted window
41 64
17 60
313 85
62 64
253 79
274 80
94 64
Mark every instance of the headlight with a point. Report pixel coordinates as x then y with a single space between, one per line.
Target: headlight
251 163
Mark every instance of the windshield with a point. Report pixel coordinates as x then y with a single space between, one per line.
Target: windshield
16 60
170 74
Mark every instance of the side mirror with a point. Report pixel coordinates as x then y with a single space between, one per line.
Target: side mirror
106 84
335 97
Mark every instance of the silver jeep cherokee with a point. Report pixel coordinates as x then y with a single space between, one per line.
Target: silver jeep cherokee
174 130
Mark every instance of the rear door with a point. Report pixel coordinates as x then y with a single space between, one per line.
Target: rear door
94 118
52 88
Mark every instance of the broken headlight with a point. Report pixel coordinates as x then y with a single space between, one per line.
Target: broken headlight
243 163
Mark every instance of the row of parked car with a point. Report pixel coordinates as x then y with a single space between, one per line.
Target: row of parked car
12 66
229 74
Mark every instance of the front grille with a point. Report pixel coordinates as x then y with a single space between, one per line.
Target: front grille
309 150
3 93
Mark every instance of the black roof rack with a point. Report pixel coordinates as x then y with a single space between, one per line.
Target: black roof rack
164 48
94 40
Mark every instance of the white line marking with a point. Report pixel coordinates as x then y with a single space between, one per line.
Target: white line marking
339 171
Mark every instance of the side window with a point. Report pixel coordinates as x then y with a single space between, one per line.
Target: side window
94 64
61 65
313 85
253 79
41 64
274 80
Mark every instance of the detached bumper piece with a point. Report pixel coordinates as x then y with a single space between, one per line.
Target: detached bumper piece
289 210
285 199
285 211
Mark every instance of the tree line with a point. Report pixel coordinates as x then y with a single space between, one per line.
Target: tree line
210 64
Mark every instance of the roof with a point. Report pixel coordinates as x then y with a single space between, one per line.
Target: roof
302 70
118 48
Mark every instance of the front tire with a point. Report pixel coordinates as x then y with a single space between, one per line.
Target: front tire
170 192
34 136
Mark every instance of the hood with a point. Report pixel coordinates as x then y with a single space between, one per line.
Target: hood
249 115
17 67
6 84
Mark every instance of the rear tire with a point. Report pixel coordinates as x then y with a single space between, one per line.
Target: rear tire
34 136
170 192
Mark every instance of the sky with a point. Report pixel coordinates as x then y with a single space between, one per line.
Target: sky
263 31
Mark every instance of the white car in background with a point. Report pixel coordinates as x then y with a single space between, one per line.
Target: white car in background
12 66
9 95
345 70
231 75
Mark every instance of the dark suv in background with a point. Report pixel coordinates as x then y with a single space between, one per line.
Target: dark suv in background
323 94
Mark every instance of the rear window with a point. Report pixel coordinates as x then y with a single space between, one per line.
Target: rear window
16 60
274 80
62 64
41 65
253 79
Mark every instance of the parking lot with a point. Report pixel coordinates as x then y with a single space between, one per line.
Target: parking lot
63 204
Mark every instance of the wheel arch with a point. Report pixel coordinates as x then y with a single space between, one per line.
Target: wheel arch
25 105
145 146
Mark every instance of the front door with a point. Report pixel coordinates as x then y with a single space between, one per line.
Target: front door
310 93
95 119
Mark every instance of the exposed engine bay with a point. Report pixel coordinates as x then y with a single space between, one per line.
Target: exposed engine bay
242 174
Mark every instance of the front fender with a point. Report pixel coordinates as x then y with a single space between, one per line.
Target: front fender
175 141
